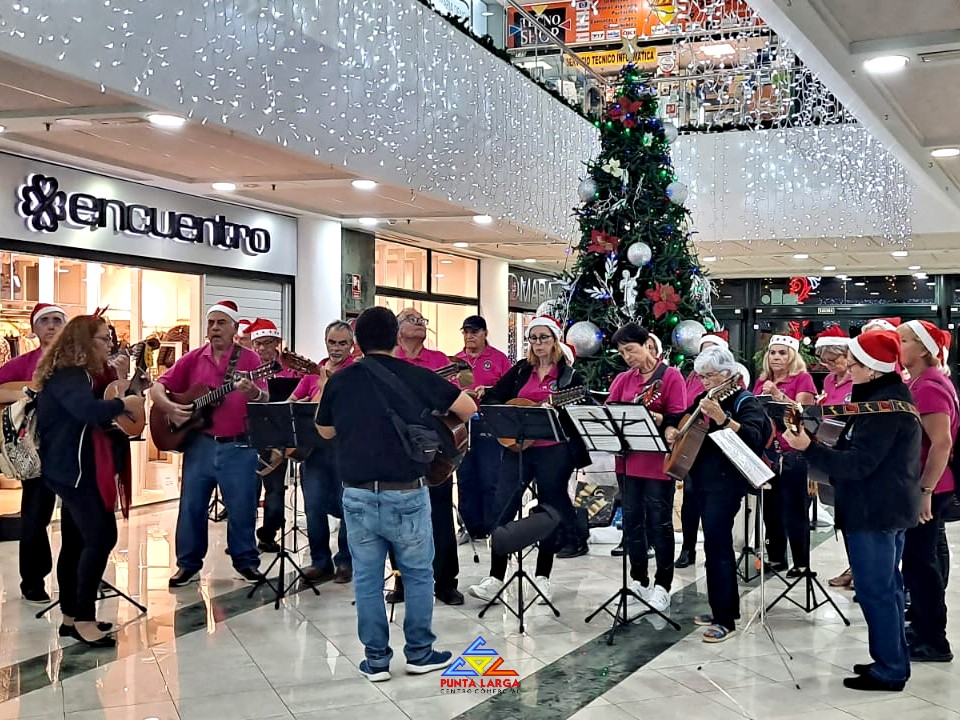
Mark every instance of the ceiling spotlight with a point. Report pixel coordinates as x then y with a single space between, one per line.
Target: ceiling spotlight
800 256
166 121
364 184
945 152
368 221
829 268
885 64
461 244
530 261
899 253
711 258
224 187
913 267
482 219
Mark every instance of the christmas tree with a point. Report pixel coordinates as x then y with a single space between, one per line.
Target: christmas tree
634 261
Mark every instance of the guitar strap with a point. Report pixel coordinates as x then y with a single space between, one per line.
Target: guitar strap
394 383
231 368
868 408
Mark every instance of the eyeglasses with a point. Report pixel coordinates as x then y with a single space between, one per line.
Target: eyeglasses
538 339
413 320
105 338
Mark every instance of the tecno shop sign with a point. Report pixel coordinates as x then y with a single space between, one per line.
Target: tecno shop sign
45 206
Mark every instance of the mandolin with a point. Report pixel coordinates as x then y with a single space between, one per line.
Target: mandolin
693 430
569 396
133 422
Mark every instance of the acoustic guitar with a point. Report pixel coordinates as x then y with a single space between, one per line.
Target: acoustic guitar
454 433
133 421
693 431
569 396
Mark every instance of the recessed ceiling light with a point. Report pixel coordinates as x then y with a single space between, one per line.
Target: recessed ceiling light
530 261
711 258
224 186
948 152
829 268
461 244
166 120
899 253
886 64
913 267
800 256
482 219
364 184
368 221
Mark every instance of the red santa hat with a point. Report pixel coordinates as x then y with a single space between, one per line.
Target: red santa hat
263 328
935 340
787 340
720 338
881 324
547 322
243 326
228 308
568 353
833 336
41 309
878 350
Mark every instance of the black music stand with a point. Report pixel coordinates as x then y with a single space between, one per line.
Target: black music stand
619 429
525 423
105 591
747 550
282 425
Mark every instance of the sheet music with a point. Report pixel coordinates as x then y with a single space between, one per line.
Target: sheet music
639 429
595 426
743 458
598 425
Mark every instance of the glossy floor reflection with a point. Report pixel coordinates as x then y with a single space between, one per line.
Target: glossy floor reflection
206 651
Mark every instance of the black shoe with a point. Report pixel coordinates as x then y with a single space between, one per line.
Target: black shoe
38 596
573 550
928 653
67 630
250 574
107 641
862 668
618 551
777 566
449 596
869 682
182 577
268 546
796 572
685 559
319 575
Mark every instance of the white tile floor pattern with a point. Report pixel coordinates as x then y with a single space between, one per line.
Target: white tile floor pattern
300 662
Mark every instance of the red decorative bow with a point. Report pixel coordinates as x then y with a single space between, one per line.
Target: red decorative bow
600 242
665 299
625 110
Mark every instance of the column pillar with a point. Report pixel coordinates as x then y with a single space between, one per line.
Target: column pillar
494 300
318 295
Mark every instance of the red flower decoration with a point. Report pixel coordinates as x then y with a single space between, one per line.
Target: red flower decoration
799 286
665 299
600 242
625 110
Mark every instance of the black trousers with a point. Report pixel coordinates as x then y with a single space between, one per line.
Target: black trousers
648 520
477 481
689 517
89 533
36 509
446 563
274 487
549 467
922 573
719 509
786 512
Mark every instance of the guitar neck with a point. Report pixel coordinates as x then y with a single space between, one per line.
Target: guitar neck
221 392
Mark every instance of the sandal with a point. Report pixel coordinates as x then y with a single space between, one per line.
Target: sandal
844 579
703 620
717 633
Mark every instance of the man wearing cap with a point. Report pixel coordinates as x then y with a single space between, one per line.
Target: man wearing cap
477 474
220 455
36 500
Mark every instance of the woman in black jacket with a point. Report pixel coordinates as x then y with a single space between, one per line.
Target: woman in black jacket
875 471
718 487
77 464
544 371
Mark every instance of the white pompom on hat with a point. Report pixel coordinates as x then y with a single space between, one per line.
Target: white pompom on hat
878 350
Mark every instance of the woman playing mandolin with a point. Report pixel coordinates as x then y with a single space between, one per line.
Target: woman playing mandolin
545 370
718 486
647 492
786 505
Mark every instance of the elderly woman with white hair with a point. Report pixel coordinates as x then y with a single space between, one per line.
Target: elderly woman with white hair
718 486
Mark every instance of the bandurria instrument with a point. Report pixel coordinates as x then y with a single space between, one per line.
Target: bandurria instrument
134 421
827 422
569 396
693 430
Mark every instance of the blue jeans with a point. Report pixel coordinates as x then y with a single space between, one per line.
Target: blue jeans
875 561
397 520
233 466
321 497
477 479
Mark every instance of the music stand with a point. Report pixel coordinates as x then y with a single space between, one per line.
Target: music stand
619 429
282 425
524 423
105 591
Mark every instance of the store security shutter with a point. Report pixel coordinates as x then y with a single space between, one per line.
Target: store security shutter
255 298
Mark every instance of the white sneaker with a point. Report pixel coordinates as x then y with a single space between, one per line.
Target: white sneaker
659 598
543 584
634 605
487 589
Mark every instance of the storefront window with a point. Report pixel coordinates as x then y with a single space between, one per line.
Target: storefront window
843 290
453 275
443 320
401 266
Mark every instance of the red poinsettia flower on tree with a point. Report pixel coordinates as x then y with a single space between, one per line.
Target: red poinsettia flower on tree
600 242
665 299
625 110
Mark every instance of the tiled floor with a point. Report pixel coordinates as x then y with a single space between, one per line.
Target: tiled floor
206 651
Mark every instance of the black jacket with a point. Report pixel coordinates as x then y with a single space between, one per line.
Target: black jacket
712 471
875 468
65 408
509 386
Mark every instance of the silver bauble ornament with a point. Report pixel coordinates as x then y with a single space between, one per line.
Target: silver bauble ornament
587 189
686 336
639 254
677 192
585 337
670 131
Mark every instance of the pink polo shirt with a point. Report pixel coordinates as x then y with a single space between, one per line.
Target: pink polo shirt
539 390
21 368
836 394
934 393
199 367
673 399
488 367
309 384
429 359
694 386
